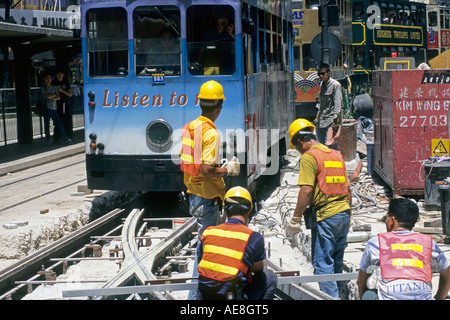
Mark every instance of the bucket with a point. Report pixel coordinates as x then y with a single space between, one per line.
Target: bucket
347 141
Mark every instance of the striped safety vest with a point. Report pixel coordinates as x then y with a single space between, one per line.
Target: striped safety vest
191 148
405 256
223 251
331 174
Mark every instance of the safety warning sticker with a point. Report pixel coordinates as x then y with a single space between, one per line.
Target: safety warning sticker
439 147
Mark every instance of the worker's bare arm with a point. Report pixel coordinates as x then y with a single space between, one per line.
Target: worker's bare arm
362 282
212 171
444 285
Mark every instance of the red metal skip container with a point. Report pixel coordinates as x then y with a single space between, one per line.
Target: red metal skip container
411 124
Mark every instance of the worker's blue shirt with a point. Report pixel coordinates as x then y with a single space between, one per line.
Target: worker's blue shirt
254 252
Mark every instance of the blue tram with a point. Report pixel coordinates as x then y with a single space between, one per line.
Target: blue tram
143 64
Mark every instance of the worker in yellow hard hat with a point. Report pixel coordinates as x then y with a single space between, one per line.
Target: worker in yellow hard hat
324 200
298 127
232 255
203 176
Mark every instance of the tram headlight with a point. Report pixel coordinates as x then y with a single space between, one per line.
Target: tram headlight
159 133
93 144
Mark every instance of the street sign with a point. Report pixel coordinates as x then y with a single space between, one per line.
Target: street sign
335 48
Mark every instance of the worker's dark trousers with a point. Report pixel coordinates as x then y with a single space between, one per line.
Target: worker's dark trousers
328 242
262 287
206 211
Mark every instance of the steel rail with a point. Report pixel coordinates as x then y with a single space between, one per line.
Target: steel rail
162 287
139 268
41 195
32 264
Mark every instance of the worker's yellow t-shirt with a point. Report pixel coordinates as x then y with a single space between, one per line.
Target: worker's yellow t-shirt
200 185
326 205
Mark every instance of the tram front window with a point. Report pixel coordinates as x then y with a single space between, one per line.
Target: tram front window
211 40
107 42
157 45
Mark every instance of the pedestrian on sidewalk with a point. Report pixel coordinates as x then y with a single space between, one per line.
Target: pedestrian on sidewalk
231 257
51 95
404 260
324 200
64 106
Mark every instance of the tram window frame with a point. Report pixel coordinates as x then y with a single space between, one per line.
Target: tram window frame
154 51
107 42
359 52
284 46
414 16
312 4
407 19
358 8
207 56
262 40
421 17
447 19
297 4
279 45
432 17
254 39
268 32
297 57
308 62
385 15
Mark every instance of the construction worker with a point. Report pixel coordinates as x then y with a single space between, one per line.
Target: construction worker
404 260
325 200
203 175
231 256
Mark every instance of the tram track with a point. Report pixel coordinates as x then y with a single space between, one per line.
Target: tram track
44 180
123 255
59 188
31 268
43 266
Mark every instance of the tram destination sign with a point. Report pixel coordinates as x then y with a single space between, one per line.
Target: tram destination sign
398 35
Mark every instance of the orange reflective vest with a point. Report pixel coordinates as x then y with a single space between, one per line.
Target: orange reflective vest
191 147
405 256
331 174
223 250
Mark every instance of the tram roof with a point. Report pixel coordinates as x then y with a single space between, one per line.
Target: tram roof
278 7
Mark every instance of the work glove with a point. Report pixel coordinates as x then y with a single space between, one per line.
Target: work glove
295 225
233 167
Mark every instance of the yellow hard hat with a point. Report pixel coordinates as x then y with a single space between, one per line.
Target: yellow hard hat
296 126
211 90
240 195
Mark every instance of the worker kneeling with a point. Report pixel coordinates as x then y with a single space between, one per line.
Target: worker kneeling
231 256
